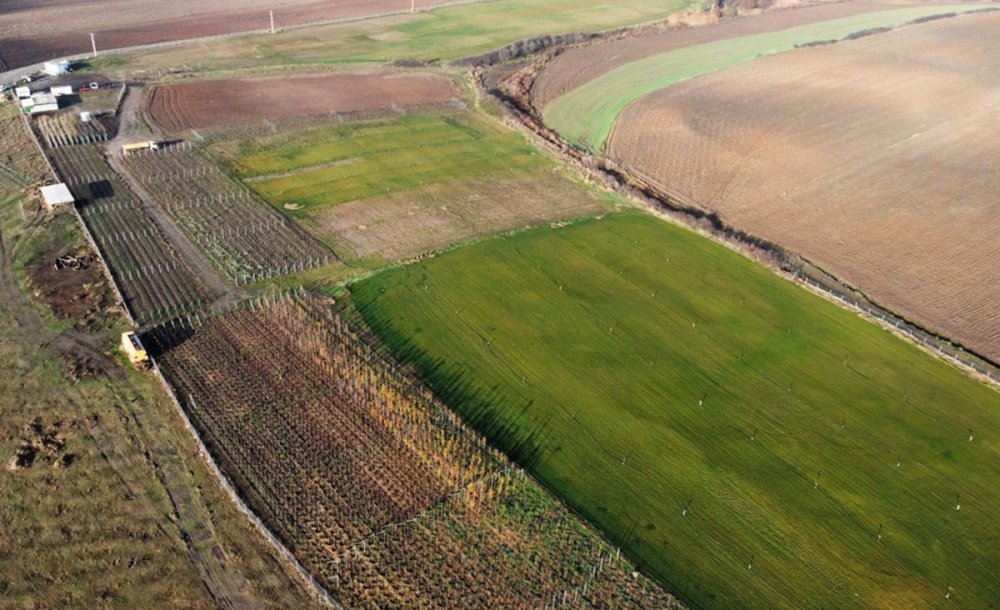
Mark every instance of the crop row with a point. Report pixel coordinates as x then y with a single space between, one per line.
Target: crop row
382 492
66 129
245 238
154 281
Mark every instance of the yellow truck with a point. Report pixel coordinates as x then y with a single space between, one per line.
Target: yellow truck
134 350
137 146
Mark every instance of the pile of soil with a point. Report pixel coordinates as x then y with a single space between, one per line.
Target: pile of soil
41 443
69 281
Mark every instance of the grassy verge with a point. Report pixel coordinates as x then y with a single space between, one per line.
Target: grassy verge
750 444
586 115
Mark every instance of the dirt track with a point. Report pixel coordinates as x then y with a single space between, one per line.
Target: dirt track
868 157
33 31
208 104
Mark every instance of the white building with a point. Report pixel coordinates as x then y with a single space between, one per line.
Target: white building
40 102
55 68
56 195
64 90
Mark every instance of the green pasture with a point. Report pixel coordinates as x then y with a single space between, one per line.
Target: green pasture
444 33
356 161
586 115
462 31
748 443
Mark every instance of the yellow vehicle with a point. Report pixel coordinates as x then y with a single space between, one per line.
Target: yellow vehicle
137 146
134 350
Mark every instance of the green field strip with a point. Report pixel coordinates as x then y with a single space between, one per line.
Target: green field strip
351 162
640 370
462 31
586 115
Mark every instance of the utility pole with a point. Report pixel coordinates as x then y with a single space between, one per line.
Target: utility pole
272 21
413 6
93 44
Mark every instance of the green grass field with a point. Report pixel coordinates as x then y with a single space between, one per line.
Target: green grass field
445 33
586 115
342 163
748 443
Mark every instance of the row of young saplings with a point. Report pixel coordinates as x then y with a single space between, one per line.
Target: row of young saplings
245 238
385 495
68 130
154 282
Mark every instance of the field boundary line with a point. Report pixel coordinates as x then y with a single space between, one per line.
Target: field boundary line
513 95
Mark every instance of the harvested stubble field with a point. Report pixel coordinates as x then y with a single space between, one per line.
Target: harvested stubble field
871 158
382 492
33 31
245 238
409 223
586 114
751 444
394 188
444 33
208 104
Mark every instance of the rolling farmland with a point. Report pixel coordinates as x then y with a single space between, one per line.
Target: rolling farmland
751 444
444 33
392 188
213 104
385 496
32 31
578 65
245 239
585 116
868 157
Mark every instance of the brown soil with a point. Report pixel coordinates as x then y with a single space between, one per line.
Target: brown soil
870 158
76 291
208 104
415 222
582 64
33 31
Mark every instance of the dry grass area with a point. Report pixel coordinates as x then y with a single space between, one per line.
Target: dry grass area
874 158
104 502
222 103
19 159
581 65
409 223
33 31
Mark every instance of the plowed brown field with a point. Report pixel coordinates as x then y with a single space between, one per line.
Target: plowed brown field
578 66
875 158
223 103
35 30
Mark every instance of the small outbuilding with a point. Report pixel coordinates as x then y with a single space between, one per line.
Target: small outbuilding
40 102
56 195
22 92
63 90
56 68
